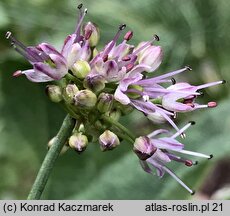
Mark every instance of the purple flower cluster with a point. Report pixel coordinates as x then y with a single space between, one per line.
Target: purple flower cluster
104 83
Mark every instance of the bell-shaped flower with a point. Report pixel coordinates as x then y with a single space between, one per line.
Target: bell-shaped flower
48 64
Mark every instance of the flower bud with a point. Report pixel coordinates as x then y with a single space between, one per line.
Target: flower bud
85 99
78 142
64 148
108 140
68 93
95 52
143 148
91 32
156 117
114 114
134 95
81 69
125 109
151 56
54 93
96 83
105 102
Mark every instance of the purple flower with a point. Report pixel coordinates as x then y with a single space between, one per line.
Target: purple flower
160 104
76 46
48 64
185 101
157 152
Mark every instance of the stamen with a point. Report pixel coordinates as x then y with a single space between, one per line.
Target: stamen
126 58
167 90
211 84
17 73
105 58
88 34
201 106
80 6
80 20
161 112
128 35
8 34
170 74
173 81
180 132
188 163
122 27
210 156
183 135
21 52
14 40
180 159
129 67
113 42
212 104
188 68
157 132
197 154
178 179
155 38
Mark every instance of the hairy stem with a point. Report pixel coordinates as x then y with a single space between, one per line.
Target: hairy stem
50 158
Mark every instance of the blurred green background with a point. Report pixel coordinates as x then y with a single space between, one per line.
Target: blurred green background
192 32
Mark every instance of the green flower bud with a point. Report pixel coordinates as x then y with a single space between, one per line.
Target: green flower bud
91 32
125 109
54 93
64 148
95 52
78 142
68 93
81 69
134 95
114 114
105 102
108 140
95 83
85 99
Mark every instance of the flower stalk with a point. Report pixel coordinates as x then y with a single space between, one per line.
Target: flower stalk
50 158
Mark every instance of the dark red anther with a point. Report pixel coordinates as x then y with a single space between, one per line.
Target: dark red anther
188 163
212 104
126 58
88 34
105 58
128 35
17 73
129 67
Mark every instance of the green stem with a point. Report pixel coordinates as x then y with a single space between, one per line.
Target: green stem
74 79
120 126
125 137
50 158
